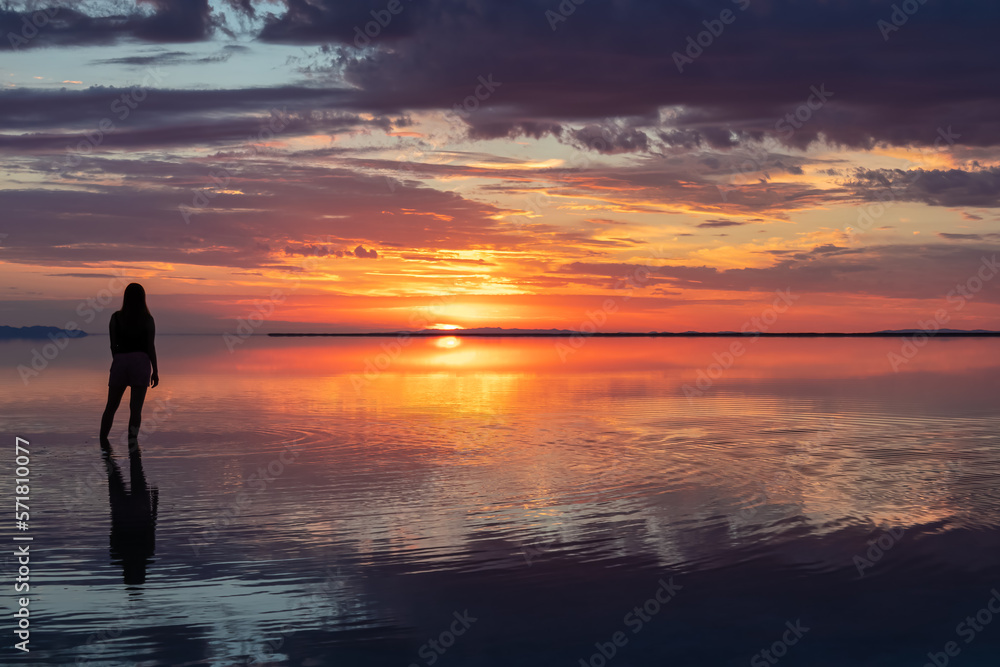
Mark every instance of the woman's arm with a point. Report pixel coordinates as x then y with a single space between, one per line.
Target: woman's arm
151 351
112 331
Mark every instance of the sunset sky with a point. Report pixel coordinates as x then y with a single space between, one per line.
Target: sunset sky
396 164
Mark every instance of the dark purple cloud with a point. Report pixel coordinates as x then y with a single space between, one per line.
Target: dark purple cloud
712 224
614 60
758 77
935 187
171 58
245 221
28 109
968 237
171 21
610 139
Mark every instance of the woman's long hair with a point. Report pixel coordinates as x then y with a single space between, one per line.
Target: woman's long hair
134 307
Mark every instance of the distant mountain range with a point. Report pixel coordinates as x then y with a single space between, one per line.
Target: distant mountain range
7 333
538 333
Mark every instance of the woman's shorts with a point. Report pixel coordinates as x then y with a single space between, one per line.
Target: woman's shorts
130 369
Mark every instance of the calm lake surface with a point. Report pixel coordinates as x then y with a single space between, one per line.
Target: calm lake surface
508 502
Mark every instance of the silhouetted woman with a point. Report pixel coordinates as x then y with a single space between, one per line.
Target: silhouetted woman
132 331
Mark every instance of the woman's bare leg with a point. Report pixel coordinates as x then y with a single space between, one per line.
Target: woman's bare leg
114 400
136 399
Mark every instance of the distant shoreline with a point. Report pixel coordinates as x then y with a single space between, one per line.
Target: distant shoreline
568 334
38 333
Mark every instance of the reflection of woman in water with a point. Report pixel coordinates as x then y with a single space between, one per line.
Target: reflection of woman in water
133 517
132 331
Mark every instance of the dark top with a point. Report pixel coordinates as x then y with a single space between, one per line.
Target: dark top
126 338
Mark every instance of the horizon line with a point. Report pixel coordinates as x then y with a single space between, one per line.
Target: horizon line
499 332
562 333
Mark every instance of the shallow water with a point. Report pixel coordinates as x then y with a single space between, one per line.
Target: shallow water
346 501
